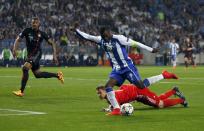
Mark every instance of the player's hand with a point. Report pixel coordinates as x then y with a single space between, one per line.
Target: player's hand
75 26
155 50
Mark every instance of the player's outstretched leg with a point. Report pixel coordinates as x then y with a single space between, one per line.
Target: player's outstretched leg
172 102
39 74
165 75
167 94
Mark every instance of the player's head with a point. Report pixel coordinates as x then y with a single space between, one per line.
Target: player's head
187 40
173 40
100 90
106 33
35 23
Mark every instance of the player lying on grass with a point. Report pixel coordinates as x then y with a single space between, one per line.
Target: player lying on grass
129 93
122 66
34 37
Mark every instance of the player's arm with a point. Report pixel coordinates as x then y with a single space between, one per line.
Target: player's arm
15 46
84 35
177 47
52 43
17 42
189 49
129 42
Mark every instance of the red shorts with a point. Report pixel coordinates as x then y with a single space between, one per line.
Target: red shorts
147 97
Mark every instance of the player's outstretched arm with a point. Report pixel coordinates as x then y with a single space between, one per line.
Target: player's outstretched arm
84 35
140 45
127 41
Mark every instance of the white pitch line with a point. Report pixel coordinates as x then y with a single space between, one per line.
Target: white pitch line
166 82
20 112
72 78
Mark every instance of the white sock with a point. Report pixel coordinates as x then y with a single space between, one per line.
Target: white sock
112 99
155 79
174 63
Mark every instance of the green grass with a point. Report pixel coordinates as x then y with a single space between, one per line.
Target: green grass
74 106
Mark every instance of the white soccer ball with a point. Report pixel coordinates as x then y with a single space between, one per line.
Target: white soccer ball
127 109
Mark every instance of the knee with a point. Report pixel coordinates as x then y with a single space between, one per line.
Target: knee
24 68
36 74
146 82
140 84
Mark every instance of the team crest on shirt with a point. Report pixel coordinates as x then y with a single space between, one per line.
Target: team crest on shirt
30 36
109 46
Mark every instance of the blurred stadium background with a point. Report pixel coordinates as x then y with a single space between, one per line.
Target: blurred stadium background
152 22
75 107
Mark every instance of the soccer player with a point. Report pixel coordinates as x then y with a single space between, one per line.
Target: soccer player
34 38
188 51
129 93
122 66
174 47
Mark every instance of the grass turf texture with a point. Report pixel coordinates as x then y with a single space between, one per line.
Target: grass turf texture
75 106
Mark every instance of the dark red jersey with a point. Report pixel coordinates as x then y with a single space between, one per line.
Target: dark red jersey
126 93
129 92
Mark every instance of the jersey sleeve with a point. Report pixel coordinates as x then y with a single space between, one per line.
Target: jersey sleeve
86 36
23 33
177 45
129 42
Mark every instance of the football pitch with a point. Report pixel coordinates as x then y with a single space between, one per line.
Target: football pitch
74 106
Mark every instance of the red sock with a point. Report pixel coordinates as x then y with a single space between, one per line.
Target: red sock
167 94
172 102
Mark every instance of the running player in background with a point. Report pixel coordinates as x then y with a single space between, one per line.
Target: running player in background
122 66
34 38
174 47
129 93
188 51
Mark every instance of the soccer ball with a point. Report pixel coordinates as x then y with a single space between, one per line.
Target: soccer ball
126 109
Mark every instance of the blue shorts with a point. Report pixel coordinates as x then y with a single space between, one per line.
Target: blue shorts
173 57
130 73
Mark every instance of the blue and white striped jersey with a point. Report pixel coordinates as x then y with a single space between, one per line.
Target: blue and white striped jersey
174 48
115 48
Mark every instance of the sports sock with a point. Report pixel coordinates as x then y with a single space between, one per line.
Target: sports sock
172 102
174 63
167 94
111 97
45 75
193 62
151 80
186 63
24 78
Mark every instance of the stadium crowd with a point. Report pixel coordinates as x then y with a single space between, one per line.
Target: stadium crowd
152 22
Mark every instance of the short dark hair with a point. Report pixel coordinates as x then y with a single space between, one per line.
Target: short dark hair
100 87
35 18
103 29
